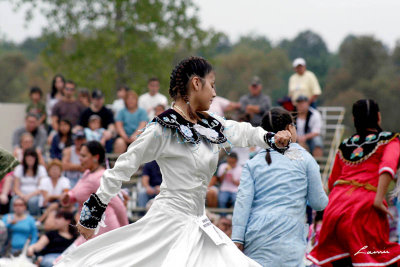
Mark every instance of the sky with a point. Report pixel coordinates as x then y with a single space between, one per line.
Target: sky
333 20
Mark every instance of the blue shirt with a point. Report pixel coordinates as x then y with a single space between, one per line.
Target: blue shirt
269 213
21 231
130 120
152 170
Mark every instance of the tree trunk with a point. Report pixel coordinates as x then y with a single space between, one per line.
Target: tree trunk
119 29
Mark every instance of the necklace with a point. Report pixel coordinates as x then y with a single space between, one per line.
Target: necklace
183 113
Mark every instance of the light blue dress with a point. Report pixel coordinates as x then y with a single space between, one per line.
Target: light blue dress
269 214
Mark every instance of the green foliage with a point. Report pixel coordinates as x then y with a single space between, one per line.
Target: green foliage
12 80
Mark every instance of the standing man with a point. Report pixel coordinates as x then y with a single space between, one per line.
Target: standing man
150 100
68 107
303 82
255 104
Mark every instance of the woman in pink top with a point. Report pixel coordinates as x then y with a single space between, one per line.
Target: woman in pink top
92 156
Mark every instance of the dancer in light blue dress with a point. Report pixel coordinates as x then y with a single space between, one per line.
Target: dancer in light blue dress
269 215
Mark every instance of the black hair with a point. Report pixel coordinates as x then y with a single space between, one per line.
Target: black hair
125 87
153 79
96 148
233 155
69 134
181 75
36 116
31 152
70 82
53 85
275 120
70 217
365 113
34 90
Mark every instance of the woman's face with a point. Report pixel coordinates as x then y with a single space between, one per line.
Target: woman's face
30 161
87 160
64 127
61 222
131 102
59 84
54 172
205 94
94 124
19 206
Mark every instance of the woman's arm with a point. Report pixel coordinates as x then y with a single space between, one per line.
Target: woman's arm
17 185
244 201
316 195
142 124
119 126
66 161
38 246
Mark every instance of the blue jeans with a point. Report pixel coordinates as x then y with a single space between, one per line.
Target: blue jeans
33 205
224 197
143 198
48 259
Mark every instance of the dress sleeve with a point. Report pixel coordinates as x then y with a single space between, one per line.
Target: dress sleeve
244 200
316 195
390 158
146 148
336 171
242 134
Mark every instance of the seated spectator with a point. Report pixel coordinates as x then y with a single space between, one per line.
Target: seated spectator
159 109
68 107
21 226
212 193
72 167
129 122
31 126
150 100
5 193
220 105
225 225
118 103
56 94
151 181
84 97
53 243
27 178
95 132
97 107
61 140
229 175
54 185
36 105
255 104
26 142
309 124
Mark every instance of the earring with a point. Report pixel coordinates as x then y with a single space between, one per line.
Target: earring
94 160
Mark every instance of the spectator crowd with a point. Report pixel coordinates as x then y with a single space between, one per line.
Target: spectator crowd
53 151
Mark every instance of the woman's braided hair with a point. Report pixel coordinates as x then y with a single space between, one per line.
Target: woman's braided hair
365 113
274 121
182 74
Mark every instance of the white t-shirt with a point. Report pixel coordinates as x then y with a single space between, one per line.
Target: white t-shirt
218 105
227 184
47 185
29 184
117 105
315 123
149 102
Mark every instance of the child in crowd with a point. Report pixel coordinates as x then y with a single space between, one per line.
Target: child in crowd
36 105
119 103
229 175
84 97
95 132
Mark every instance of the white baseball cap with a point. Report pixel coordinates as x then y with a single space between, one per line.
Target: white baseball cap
299 61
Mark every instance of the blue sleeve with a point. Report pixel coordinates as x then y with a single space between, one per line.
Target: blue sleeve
53 147
120 116
143 115
244 201
34 231
316 195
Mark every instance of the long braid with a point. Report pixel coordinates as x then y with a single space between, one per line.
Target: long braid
275 120
181 76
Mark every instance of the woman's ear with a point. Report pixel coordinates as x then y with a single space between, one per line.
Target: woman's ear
196 83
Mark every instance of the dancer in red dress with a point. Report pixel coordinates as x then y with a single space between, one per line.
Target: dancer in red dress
355 230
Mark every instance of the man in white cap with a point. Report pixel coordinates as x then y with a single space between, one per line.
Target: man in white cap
303 82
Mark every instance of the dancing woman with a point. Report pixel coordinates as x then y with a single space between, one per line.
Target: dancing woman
268 219
184 141
355 227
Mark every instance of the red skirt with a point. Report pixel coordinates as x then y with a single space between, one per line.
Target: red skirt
353 228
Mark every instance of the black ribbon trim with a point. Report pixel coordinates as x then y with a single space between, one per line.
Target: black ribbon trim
92 211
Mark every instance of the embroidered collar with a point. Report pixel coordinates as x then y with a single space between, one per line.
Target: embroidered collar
357 149
208 127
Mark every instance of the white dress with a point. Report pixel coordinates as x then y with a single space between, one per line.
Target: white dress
174 232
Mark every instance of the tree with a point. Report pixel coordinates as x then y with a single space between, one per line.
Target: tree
112 42
12 79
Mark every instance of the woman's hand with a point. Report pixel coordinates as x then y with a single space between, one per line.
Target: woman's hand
86 233
378 204
282 138
31 251
239 246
